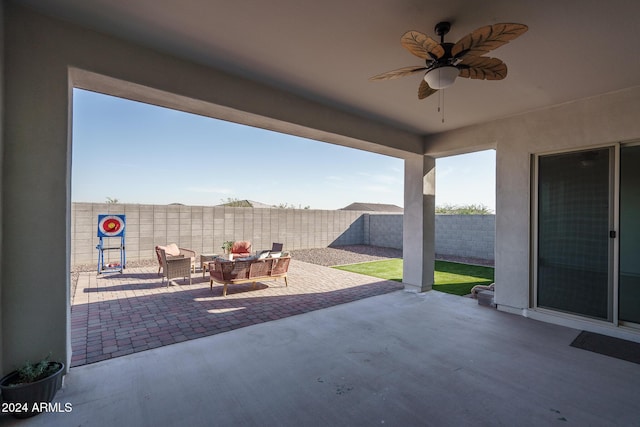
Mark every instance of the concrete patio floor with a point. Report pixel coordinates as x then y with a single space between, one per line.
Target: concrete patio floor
399 359
117 314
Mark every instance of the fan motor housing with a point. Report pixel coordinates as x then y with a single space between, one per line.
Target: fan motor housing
442 28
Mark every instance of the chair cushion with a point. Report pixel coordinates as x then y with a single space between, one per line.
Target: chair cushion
241 247
171 249
237 255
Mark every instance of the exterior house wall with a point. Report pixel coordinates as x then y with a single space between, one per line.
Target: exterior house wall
1 160
581 124
35 207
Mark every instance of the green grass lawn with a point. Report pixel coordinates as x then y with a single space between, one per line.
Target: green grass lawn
450 277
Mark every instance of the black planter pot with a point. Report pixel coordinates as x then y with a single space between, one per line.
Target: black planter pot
20 399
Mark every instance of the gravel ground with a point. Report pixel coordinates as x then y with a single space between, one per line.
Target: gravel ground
340 255
345 254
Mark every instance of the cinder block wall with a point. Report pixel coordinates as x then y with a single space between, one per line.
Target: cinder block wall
466 235
471 236
204 229
384 230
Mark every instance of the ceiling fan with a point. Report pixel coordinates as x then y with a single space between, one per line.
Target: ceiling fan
446 61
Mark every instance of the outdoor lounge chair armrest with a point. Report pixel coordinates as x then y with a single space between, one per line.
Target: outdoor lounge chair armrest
187 252
221 270
216 275
280 266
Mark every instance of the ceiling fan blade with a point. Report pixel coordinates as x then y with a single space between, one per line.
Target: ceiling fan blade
422 45
482 67
400 72
425 90
486 39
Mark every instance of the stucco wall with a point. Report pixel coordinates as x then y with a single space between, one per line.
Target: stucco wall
35 217
418 251
597 121
1 151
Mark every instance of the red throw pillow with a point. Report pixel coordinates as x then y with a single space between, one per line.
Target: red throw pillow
241 246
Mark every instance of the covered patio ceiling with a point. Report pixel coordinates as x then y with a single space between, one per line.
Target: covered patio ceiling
326 51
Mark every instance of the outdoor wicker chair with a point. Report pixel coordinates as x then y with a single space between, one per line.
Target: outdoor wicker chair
173 251
175 267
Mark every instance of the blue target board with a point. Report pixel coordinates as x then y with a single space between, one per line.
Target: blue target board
111 225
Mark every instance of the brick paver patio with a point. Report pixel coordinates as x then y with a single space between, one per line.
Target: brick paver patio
117 314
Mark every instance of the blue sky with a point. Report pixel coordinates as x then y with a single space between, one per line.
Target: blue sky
138 153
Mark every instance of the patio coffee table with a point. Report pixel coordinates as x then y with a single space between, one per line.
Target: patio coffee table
204 261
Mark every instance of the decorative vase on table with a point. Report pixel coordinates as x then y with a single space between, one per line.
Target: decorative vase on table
226 247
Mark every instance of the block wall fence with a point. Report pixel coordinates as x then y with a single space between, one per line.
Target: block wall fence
205 228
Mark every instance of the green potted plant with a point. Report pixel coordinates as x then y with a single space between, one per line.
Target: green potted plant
27 388
226 246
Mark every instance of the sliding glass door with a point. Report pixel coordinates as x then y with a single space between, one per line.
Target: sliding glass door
574 245
629 276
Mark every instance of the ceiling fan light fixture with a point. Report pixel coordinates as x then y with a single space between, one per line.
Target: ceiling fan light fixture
441 77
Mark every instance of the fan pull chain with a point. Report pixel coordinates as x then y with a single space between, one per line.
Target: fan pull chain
441 103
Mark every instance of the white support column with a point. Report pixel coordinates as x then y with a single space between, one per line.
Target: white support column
418 238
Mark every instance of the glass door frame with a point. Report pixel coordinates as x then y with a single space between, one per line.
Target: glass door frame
614 215
619 322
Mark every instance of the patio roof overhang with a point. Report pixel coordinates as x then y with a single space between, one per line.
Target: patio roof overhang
324 52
